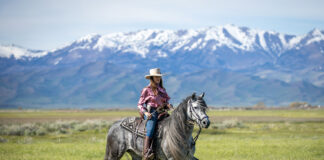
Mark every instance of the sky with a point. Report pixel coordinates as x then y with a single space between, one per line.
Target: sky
49 24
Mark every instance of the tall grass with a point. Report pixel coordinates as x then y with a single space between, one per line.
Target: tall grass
58 127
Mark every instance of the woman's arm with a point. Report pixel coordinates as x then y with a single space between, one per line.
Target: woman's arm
141 101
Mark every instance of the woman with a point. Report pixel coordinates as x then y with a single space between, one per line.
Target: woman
153 96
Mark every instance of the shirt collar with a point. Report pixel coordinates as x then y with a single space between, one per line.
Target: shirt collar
159 88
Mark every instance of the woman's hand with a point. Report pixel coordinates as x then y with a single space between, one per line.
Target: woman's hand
148 115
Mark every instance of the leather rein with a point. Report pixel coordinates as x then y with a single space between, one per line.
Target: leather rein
192 122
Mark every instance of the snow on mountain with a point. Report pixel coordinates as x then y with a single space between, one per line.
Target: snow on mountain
317 35
137 42
19 52
231 36
142 42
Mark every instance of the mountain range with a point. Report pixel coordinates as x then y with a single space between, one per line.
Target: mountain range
235 66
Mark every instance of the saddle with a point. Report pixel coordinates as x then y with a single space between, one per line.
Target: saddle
136 125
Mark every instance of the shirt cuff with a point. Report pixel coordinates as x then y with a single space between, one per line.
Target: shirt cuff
142 109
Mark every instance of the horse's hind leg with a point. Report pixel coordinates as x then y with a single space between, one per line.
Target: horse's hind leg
114 150
115 147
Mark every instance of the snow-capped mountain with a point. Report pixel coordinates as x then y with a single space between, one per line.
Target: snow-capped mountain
212 38
235 65
18 52
236 38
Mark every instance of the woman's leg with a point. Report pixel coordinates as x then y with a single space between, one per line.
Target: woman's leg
150 127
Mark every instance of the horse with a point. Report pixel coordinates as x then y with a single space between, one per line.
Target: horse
173 137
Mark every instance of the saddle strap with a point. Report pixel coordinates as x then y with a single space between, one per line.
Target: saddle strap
135 133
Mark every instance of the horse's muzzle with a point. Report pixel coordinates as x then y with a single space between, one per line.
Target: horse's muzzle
205 122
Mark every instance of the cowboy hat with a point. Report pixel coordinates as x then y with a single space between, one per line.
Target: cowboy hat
154 72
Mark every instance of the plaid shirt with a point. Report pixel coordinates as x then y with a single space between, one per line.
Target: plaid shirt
148 98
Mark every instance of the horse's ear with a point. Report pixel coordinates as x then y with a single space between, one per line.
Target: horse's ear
202 95
193 96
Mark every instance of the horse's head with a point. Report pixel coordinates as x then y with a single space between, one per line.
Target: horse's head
196 110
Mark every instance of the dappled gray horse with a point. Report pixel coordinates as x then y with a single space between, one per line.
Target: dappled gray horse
173 136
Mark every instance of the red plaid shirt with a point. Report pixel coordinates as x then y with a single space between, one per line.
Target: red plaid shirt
148 98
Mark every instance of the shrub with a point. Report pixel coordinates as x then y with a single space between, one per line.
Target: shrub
231 123
15 130
30 129
81 127
58 127
41 131
63 131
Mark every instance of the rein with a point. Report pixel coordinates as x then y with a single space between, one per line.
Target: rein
196 138
192 122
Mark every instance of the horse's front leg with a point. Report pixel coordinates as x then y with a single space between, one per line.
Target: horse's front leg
194 158
192 148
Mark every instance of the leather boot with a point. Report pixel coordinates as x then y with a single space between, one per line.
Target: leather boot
147 153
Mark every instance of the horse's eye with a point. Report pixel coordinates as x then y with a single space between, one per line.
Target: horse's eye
195 107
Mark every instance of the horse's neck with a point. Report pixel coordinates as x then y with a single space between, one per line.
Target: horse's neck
187 130
178 134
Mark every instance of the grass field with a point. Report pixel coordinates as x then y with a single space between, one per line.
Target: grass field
261 134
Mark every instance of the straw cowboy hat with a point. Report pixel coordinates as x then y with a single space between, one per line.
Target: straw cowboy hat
154 72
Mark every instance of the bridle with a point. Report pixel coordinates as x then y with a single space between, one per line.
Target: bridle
195 115
192 122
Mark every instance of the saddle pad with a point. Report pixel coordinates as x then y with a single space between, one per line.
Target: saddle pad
135 125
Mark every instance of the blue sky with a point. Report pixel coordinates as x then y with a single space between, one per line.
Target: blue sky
48 24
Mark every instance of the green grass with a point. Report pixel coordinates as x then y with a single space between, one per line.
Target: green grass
77 146
123 113
248 140
270 113
264 141
255 141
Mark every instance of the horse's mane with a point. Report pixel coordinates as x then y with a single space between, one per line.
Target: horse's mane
176 134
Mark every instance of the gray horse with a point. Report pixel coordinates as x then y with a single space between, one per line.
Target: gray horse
173 138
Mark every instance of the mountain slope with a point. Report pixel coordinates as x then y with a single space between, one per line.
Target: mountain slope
234 65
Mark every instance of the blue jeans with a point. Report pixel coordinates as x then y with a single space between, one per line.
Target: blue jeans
150 125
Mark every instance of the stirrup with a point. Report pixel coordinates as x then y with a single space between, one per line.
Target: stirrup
148 156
